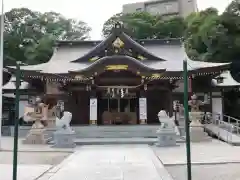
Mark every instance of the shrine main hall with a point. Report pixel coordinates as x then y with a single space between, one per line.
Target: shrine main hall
120 80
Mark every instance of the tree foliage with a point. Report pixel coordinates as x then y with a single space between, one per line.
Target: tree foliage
208 36
29 35
213 37
142 25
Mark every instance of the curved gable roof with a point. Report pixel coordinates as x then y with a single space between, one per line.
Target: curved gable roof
118 60
129 42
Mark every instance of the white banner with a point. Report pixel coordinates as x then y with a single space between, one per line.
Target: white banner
93 109
142 108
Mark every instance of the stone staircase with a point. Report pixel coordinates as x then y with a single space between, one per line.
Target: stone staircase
118 131
103 135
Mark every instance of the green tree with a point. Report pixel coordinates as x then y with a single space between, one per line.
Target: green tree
205 36
213 37
29 35
230 19
142 25
109 24
169 28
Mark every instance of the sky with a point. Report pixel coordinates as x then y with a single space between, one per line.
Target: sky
93 12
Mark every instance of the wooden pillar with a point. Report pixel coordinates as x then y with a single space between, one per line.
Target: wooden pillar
170 102
170 97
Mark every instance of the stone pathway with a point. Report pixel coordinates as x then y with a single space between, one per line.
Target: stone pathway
118 162
212 160
25 172
210 152
206 172
7 145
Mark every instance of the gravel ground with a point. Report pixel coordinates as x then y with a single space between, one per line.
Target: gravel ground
206 172
50 158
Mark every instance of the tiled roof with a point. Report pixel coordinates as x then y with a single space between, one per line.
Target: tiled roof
11 84
174 55
227 80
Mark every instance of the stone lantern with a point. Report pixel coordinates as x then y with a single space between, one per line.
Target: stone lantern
197 133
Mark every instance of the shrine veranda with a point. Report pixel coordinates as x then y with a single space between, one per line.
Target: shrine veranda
117 81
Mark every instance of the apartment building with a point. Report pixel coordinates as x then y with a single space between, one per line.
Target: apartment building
163 7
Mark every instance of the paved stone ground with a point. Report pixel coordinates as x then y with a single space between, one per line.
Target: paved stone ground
50 158
207 172
7 145
118 162
214 160
205 152
33 160
25 172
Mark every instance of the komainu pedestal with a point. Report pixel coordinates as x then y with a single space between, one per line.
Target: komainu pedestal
166 137
64 136
182 129
64 139
36 134
166 134
197 133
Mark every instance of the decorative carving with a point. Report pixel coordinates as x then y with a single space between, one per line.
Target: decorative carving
94 58
117 67
118 43
141 57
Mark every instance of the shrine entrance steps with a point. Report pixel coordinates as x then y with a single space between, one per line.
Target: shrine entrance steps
119 134
116 131
103 135
112 131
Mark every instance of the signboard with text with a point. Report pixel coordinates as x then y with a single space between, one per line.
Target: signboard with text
93 109
142 108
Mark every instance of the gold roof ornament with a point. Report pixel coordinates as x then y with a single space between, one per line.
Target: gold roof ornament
94 58
118 43
141 57
156 76
117 67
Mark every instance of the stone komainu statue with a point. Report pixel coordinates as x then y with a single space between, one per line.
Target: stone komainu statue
167 122
63 124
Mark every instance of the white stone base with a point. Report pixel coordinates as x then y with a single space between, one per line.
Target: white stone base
166 137
64 139
35 136
197 134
